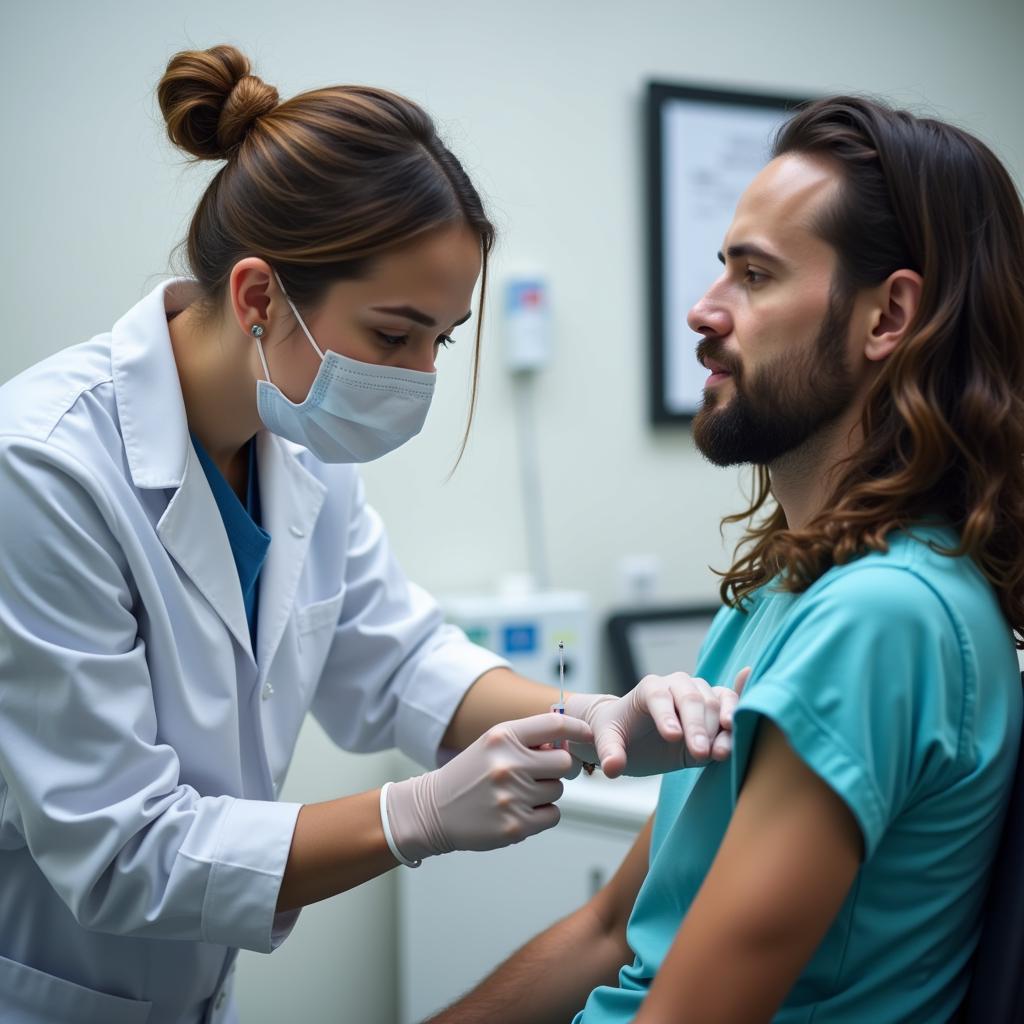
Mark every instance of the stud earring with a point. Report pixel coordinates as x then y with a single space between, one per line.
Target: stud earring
256 330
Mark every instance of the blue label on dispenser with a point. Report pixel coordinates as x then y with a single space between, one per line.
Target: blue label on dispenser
524 295
520 638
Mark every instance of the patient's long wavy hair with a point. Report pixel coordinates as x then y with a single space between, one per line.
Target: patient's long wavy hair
943 425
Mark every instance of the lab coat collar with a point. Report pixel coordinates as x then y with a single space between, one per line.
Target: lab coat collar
291 498
154 429
193 534
147 390
160 455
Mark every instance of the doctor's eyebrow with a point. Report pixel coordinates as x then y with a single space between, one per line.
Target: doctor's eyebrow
748 249
411 313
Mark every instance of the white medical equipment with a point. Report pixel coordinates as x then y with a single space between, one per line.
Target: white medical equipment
527 628
527 331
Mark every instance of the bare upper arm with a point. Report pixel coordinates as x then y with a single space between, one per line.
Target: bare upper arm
781 874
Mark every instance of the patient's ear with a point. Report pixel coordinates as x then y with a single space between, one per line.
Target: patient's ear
893 308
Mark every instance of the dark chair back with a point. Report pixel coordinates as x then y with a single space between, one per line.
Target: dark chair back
996 994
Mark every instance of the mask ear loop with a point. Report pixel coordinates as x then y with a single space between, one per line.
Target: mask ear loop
302 323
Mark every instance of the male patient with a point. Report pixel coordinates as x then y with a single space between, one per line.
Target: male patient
865 343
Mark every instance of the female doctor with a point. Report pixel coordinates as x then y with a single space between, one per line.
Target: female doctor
188 565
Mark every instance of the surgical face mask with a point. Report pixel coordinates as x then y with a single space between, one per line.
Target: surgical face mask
354 412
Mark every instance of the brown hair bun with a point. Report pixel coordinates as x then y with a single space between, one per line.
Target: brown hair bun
210 101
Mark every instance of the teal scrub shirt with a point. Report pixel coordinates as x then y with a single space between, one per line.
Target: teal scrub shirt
896 680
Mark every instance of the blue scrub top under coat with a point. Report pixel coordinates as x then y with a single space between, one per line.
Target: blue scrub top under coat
249 541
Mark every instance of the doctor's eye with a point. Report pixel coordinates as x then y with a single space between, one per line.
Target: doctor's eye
392 340
445 340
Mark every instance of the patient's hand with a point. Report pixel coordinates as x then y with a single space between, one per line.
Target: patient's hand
663 723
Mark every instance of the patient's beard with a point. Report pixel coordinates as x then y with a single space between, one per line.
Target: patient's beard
784 405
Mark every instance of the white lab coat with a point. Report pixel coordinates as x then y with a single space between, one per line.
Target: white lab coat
141 743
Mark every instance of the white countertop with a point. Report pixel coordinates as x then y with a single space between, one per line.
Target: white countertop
618 802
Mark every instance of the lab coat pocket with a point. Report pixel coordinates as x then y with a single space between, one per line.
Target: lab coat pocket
319 615
28 996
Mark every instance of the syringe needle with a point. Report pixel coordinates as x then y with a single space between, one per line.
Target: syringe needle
561 672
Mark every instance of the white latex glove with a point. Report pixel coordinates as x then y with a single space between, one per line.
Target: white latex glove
663 723
498 791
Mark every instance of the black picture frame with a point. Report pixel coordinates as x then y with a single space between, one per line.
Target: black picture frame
665 404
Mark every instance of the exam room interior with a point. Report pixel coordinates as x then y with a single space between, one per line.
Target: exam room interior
542 102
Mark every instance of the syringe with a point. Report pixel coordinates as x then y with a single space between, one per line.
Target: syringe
559 708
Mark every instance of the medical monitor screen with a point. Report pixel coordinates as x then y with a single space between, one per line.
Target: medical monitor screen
656 641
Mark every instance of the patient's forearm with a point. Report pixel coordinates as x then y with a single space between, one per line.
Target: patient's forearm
549 979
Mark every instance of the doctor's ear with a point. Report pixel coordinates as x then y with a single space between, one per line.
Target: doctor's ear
249 291
894 307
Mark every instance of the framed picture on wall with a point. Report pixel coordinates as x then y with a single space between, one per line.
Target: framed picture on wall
703 148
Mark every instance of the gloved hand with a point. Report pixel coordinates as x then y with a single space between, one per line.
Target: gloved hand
663 723
498 791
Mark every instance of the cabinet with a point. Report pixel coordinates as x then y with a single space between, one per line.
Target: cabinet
462 914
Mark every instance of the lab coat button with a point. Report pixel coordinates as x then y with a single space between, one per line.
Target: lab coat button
268 691
297 531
